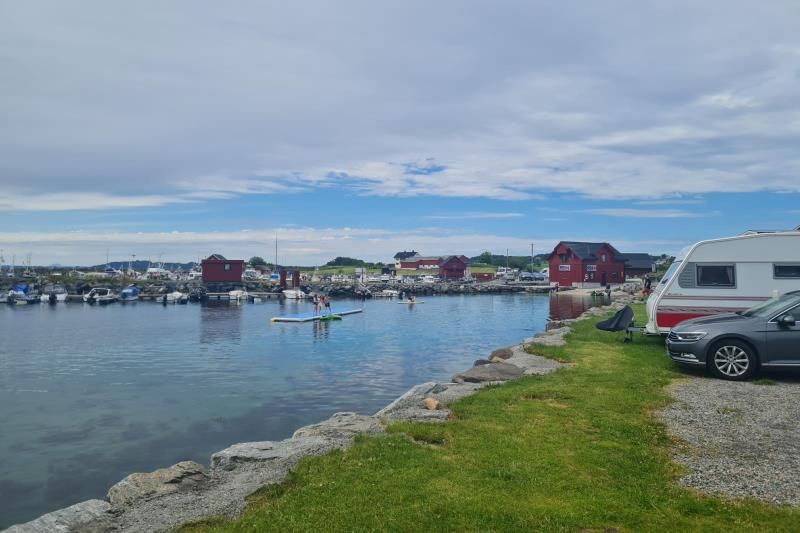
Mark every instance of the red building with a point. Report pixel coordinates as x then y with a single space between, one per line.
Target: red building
591 264
217 268
420 263
453 267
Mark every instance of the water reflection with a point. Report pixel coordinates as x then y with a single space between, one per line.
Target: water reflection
564 305
220 323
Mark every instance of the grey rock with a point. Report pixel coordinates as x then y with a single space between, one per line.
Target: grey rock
481 362
182 476
533 364
342 426
91 516
285 451
501 354
490 372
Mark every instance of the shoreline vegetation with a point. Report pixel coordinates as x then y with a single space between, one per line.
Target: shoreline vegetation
576 450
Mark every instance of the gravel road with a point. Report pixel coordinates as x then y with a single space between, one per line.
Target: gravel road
740 439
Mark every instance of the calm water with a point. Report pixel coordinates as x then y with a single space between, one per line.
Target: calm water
91 394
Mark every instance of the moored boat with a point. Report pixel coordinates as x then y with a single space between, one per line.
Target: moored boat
294 294
238 295
129 294
53 294
100 295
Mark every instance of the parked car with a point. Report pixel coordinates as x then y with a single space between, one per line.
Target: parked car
735 345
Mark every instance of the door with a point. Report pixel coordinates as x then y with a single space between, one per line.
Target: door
783 342
603 279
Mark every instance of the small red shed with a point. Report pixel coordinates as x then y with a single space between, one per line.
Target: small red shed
217 268
586 263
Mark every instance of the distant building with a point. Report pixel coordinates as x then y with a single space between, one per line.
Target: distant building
402 256
216 268
638 265
587 264
447 267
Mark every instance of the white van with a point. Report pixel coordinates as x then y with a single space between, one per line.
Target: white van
725 276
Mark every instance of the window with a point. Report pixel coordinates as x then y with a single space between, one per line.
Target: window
227 266
564 268
603 258
615 276
716 276
591 268
787 271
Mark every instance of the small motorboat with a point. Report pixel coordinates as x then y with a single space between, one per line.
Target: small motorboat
100 295
294 294
53 294
129 294
238 296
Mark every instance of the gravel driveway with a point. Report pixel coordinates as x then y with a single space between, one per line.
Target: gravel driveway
740 439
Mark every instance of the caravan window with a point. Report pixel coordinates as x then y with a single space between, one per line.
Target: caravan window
670 271
787 271
716 275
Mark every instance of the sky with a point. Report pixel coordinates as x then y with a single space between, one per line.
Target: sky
173 130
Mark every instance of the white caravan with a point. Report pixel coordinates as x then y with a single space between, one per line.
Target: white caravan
725 276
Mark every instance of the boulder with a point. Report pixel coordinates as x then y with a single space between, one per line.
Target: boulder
182 476
431 404
490 372
280 452
91 516
480 362
341 426
501 353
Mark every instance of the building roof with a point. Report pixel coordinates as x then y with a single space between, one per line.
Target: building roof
638 261
588 250
421 258
217 257
405 255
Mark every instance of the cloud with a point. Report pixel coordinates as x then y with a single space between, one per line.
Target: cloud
475 216
646 213
296 246
374 99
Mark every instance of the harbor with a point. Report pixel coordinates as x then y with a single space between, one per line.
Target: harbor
92 393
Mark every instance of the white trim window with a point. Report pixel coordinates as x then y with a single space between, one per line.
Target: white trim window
591 268
564 268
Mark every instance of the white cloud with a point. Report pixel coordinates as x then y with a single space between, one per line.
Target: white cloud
303 246
646 213
513 101
475 216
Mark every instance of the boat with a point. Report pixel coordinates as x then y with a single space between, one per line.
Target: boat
410 302
53 294
174 297
129 294
725 276
238 295
18 295
100 295
294 294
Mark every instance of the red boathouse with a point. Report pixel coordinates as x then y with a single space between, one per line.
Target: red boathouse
216 268
590 264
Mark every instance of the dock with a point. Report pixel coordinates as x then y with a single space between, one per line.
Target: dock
310 317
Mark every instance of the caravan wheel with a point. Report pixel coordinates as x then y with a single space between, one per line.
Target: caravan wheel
733 360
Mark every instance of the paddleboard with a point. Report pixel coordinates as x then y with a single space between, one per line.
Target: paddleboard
410 303
330 317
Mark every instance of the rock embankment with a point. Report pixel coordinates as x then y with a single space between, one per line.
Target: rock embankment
188 492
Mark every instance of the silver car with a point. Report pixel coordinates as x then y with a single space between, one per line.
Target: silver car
735 345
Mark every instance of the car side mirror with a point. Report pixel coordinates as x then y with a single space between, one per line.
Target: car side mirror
787 320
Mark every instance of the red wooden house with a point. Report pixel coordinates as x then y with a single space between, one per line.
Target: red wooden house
453 267
217 268
586 263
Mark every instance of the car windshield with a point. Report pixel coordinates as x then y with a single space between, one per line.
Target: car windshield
773 306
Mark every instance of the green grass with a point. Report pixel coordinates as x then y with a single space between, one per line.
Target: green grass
487 269
575 450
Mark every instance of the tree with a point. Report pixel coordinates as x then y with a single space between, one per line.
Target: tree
345 261
257 261
485 258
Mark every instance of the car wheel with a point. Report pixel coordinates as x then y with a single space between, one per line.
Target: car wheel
733 360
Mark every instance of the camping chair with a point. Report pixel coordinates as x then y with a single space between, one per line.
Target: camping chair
621 321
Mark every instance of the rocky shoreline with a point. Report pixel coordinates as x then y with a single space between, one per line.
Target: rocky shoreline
188 492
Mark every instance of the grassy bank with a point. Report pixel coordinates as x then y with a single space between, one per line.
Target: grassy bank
577 449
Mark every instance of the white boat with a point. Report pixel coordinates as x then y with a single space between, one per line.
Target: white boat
54 294
100 295
389 293
238 295
174 297
724 276
294 294
429 279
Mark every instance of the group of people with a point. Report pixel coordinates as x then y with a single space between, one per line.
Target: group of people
320 303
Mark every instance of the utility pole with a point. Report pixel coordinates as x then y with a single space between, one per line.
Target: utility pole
532 268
